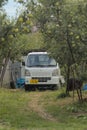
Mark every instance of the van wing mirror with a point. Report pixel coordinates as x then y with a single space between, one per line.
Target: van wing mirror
23 63
57 64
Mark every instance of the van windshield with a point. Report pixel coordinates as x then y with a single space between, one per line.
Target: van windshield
40 60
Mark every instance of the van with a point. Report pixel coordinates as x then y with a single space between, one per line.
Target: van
41 71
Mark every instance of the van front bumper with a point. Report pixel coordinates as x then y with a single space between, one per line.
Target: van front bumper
42 80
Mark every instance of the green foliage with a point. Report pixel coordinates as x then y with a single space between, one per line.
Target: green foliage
2 2
15 39
8 37
30 41
63 25
84 76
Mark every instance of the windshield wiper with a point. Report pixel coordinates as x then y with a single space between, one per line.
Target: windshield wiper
50 65
35 65
41 65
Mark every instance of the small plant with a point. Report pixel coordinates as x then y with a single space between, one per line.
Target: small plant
72 109
63 95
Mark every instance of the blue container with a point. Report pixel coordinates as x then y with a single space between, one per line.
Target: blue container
84 87
20 83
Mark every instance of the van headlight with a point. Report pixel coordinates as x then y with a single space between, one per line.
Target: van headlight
55 72
27 73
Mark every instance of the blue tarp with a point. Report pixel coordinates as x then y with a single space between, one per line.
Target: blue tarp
84 87
20 83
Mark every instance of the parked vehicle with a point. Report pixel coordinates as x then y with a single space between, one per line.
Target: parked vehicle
41 71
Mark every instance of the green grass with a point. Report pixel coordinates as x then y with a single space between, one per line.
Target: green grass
15 113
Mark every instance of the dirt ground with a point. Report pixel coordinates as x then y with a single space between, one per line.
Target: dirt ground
38 108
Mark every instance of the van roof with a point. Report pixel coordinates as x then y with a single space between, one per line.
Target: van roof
37 53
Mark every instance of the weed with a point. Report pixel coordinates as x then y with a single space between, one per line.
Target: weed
63 95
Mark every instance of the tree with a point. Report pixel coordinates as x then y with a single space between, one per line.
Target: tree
2 2
15 39
63 25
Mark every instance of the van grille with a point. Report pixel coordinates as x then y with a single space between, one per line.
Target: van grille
42 79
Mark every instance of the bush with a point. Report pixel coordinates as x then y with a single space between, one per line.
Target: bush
63 95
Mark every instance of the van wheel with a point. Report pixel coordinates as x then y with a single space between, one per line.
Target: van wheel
12 85
26 87
29 88
54 87
33 88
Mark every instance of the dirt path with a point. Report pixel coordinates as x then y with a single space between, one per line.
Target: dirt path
37 107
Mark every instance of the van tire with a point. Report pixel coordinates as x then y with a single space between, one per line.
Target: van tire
26 87
29 88
12 85
54 87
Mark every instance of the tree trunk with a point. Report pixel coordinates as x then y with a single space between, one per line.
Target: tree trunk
68 77
72 59
4 69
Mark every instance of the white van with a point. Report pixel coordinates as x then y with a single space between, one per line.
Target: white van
41 71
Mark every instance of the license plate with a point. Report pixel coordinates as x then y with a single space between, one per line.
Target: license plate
33 81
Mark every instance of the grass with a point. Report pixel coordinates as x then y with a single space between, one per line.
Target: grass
16 113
